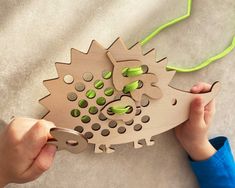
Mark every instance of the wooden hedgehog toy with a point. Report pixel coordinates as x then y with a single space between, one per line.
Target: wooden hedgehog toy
113 96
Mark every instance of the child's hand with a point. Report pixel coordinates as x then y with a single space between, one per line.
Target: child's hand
192 134
24 155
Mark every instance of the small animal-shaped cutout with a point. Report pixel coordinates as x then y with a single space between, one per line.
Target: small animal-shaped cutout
125 114
147 79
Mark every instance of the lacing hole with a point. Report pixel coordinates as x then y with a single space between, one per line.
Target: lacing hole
109 91
79 86
68 79
72 96
95 126
121 130
130 109
82 103
79 129
102 117
90 94
137 127
93 110
85 119
110 112
105 132
99 84
87 76
138 111
140 84
75 113
112 124
144 101
101 101
145 68
107 74
88 135
129 122
145 119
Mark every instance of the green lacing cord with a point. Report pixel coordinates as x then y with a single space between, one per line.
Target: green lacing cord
129 72
90 94
137 71
120 109
199 66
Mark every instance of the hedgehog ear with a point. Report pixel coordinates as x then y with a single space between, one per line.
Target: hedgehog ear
111 58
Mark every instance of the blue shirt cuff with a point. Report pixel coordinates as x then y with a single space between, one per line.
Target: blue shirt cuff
218 170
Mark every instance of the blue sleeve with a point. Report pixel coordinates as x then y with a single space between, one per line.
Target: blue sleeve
219 170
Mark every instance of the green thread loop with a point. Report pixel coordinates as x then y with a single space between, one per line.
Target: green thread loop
131 87
136 71
99 84
101 101
120 109
90 94
107 74
109 91
202 65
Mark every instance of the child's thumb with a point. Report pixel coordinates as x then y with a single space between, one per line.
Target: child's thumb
196 110
42 162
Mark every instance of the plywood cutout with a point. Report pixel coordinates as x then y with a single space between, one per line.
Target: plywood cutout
87 87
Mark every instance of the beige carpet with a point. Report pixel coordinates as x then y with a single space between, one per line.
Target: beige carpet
35 34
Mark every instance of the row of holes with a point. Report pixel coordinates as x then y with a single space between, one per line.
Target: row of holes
90 94
87 76
113 124
105 132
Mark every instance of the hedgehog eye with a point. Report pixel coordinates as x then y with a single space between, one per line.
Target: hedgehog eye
174 101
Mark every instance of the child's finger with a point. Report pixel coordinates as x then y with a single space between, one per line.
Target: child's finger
200 88
43 162
37 137
209 110
196 110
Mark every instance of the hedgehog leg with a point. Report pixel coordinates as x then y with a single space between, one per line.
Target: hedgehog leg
109 149
149 141
97 149
137 145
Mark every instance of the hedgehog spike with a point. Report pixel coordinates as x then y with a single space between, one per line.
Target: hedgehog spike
109 149
50 84
62 67
96 47
149 142
45 100
76 55
136 48
151 54
118 45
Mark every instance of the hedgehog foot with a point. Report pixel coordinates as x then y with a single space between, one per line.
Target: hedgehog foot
149 142
98 149
137 145
108 149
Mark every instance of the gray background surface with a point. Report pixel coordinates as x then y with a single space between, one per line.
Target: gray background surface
36 34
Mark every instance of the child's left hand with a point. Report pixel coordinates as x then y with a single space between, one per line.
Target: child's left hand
24 155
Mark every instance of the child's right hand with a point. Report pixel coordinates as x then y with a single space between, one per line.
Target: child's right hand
24 154
192 134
